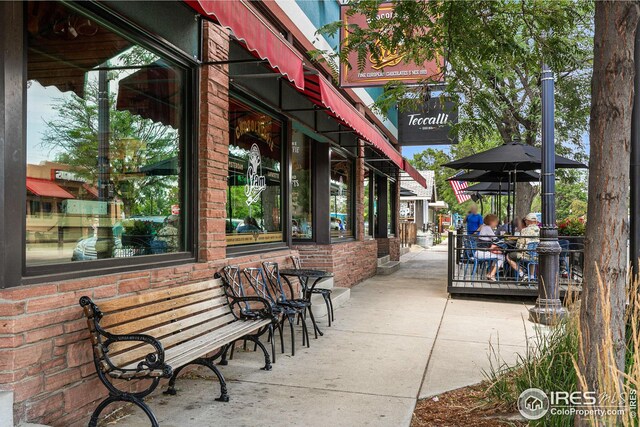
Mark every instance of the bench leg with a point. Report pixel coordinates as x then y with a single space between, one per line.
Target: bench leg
267 359
93 422
171 389
225 350
224 396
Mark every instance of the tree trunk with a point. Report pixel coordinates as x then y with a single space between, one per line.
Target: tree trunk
606 235
525 192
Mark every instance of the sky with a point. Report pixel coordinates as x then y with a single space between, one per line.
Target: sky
39 110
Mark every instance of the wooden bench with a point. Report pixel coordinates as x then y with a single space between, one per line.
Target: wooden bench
155 335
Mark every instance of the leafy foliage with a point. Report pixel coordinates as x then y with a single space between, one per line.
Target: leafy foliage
493 51
134 142
434 158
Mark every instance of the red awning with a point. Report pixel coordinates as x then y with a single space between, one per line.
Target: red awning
413 173
258 36
321 92
46 188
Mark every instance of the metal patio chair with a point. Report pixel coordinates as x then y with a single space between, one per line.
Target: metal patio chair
326 293
530 261
272 273
262 287
232 275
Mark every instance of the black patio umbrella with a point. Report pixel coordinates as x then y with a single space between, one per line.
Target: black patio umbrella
513 156
490 189
493 176
495 189
501 178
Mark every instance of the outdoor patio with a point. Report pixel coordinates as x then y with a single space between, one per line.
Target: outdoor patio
398 338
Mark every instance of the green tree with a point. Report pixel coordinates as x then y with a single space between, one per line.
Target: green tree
493 51
134 142
434 158
571 194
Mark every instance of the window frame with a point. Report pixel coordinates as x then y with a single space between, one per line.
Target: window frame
188 144
285 178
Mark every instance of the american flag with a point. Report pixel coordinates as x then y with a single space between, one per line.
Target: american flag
459 187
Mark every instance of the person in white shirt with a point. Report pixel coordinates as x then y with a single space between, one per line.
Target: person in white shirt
487 248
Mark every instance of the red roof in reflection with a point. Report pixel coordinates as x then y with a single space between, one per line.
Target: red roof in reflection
46 188
90 189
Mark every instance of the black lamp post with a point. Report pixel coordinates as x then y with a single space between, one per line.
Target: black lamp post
548 309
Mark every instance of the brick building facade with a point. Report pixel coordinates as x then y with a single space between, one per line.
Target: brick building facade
45 355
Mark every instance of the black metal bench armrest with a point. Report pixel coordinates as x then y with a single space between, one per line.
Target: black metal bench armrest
265 312
152 361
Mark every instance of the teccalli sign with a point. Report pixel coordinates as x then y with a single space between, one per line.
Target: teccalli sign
429 124
390 67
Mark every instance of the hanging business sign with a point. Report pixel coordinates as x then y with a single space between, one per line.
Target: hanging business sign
429 124
390 67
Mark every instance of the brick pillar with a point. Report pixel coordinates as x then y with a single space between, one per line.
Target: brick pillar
213 144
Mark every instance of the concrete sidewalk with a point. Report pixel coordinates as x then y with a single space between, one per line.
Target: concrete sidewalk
398 338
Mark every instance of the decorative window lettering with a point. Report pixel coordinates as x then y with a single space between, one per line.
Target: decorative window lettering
261 128
256 182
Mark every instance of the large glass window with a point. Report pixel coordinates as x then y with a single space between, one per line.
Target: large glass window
391 205
254 195
368 202
341 197
104 142
301 200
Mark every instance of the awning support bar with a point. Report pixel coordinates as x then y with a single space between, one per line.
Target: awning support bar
235 61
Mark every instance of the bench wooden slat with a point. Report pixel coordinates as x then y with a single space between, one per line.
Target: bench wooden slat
162 332
167 343
197 347
160 306
154 296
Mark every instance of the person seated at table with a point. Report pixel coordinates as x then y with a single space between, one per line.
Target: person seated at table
488 248
505 227
529 234
473 220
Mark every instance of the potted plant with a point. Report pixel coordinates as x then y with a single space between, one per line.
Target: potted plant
572 226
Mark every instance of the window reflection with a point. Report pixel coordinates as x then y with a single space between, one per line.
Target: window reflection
104 122
301 200
341 197
254 205
367 202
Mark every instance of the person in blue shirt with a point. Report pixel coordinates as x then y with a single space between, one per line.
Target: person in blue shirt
473 220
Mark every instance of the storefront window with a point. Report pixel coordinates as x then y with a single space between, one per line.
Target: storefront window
301 200
391 203
254 195
341 200
104 150
368 184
